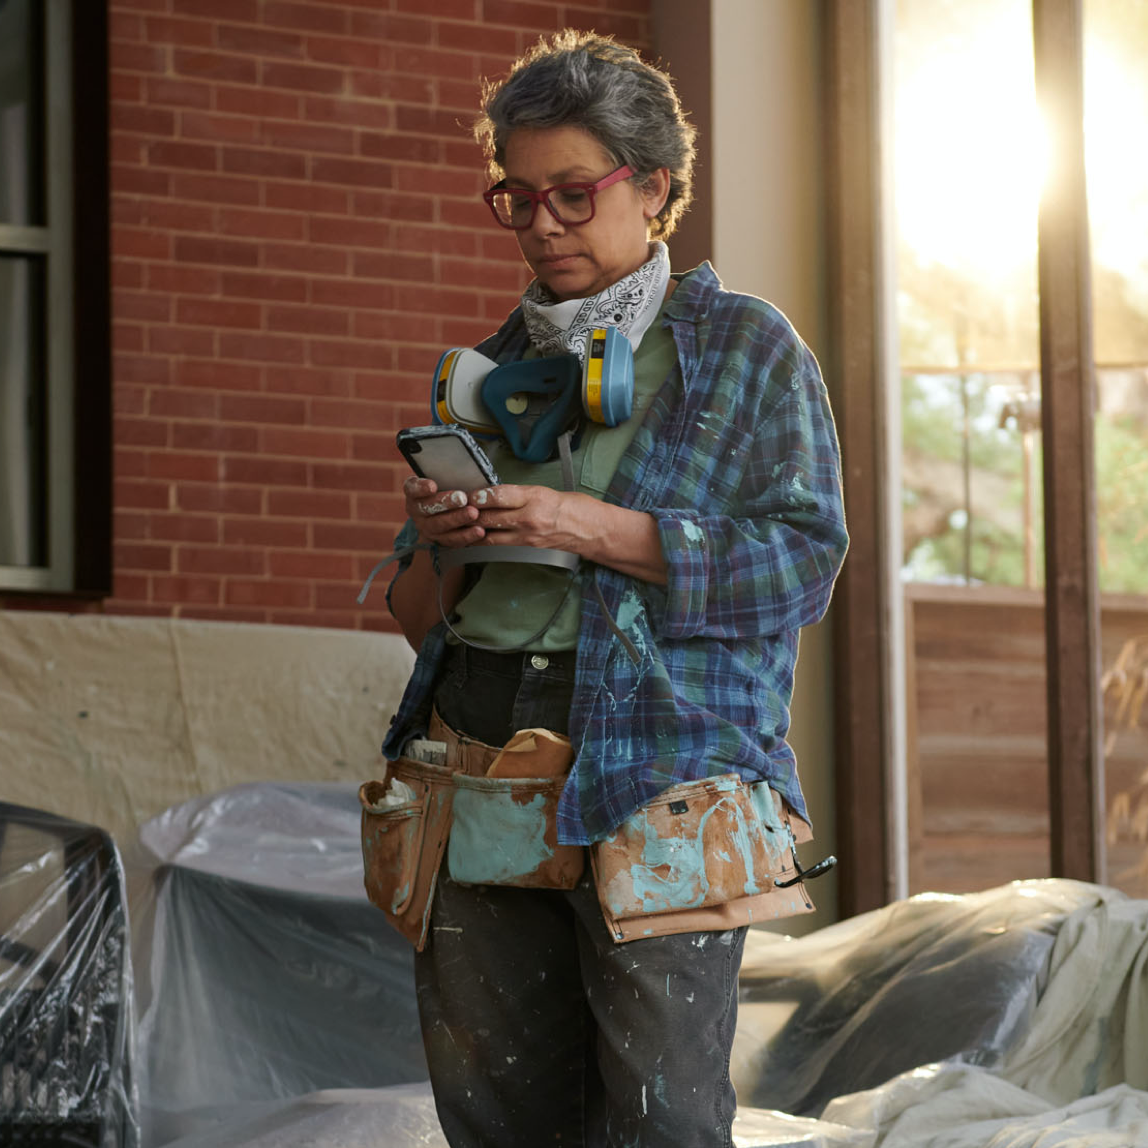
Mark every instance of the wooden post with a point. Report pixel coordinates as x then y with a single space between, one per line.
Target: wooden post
1075 755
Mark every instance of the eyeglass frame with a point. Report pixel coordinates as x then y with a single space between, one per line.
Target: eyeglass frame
543 197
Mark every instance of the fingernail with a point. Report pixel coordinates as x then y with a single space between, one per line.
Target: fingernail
480 497
457 498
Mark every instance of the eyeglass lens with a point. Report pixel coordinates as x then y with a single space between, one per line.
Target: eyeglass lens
570 205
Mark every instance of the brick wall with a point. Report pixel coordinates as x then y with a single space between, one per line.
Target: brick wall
297 235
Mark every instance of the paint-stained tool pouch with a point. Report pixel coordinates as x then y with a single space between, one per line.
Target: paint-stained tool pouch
405 824
505 824
704 855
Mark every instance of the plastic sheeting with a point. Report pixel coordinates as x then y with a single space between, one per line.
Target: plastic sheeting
278 1006
65 986
263 970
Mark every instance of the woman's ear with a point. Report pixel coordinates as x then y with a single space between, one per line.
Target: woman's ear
655 191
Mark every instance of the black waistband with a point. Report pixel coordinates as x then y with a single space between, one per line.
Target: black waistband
511 663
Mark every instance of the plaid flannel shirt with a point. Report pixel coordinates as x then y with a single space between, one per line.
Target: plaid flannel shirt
737 460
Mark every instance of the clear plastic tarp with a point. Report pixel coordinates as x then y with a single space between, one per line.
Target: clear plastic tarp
276 1006
65 985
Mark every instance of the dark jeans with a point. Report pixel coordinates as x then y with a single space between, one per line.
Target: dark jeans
538 1028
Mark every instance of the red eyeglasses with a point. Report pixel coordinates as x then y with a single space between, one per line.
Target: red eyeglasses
570 203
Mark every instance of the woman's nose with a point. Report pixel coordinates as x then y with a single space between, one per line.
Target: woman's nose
544 222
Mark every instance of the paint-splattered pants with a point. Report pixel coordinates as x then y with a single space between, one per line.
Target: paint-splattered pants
540 1030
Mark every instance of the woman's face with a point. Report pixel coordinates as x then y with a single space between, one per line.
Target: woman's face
576 262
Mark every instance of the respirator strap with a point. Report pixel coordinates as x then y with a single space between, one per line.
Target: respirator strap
449 557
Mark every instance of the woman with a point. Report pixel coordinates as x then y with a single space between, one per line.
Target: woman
710 530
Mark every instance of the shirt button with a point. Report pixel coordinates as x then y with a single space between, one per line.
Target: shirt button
540 661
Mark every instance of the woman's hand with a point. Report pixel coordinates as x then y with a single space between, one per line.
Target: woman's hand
446 518
626 540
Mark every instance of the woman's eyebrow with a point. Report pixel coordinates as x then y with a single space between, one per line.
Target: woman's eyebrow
569 175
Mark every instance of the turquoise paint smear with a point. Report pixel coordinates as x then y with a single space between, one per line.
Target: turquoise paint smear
495 838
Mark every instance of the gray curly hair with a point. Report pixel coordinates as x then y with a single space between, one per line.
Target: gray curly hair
581 79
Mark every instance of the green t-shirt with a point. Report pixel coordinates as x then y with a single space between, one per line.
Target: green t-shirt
511 601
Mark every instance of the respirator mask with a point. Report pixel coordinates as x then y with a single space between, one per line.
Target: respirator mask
535 402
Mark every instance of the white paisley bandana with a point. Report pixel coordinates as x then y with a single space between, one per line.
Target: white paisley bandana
631 305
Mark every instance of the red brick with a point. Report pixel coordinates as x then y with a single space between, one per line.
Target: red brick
477 38
344 52
215 189
429 62
185 33
215 66
348 232
129 400
480 274
329 619
216 313
172 402
261 532
219 560
179 93
126 150
351 293
142 556
141 244
262 409
127 337
375 447
123 26
219 499
300 77
307 17
225 129
146 120
262 162
367 265
224 613
305 197
436 241
214 436
258 41
130 527
267 592
257 102
465 184
390 28
474 215
312 565
125 88
628 29
184 528
354 113
308 137
380 85
342 353
308 381
383 509
255 285
140 432
245 10
374 325
182 466
175 216
333 596
462 95
407 149
461 333
265 472
345 536
182 280
357 172
261 224
386 388
405 208
200 590
463 154
305 257
353 415
311 320
144 494
217 376
308 504
261 348
141 369
344 476
181 341
128 462
305 442
130 180
444 9
227 252
137 57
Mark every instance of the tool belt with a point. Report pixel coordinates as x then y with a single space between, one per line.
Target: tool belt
704 855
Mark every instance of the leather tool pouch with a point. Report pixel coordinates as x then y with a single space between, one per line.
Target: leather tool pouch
505 833
403 845
699 857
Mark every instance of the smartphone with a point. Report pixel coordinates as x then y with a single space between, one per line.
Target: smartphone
449 454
